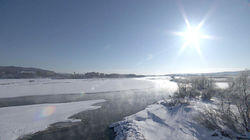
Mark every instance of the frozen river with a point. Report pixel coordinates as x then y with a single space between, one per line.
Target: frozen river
122 97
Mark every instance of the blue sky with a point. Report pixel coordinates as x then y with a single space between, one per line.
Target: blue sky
124 36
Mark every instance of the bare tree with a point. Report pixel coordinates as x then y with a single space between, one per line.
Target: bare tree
196 87
233 111
240 97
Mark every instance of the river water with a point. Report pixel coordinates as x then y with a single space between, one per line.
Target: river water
94 124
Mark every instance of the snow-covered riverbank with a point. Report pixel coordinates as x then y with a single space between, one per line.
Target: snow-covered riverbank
161 121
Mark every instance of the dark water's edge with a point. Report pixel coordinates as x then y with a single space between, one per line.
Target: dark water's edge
91 127
59 98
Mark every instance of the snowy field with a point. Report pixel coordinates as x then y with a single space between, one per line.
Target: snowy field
160 122
21 120
25 87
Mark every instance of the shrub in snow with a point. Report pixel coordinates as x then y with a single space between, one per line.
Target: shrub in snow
201 83
183 90
225 122
232 113
208 118
205 85
207 94
172 102
196 87
240 97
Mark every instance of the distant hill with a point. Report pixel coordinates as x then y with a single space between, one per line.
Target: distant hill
13 72
226 73
23 72
215 74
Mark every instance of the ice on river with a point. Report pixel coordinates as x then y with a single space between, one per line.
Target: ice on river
20 120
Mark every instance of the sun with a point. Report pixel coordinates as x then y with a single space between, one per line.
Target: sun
192 36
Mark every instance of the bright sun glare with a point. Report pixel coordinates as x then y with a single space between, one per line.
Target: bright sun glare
192 36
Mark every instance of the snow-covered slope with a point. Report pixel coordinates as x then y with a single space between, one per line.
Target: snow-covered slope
161 122
25 87
20 120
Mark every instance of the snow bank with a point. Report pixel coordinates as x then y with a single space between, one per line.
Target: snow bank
20 120
25 87
161 122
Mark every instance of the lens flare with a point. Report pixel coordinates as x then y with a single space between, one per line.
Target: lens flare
47 111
